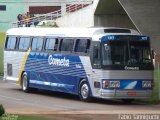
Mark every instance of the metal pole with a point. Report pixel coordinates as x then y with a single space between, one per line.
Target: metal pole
158 80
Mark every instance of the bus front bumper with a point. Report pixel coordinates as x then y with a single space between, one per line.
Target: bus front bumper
125 94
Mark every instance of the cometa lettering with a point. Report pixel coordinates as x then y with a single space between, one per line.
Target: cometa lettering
131 68
58 62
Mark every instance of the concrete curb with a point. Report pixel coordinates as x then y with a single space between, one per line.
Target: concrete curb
92 112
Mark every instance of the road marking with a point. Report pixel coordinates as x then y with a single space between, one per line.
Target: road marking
10 98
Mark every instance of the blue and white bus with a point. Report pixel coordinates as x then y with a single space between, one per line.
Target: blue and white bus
108 63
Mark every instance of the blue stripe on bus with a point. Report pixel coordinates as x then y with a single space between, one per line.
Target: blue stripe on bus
55 72
60 85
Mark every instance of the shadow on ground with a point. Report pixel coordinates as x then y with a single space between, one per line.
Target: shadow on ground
76 98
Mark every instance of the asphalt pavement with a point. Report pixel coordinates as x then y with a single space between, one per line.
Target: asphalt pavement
47 102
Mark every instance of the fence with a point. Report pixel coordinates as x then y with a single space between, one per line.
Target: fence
52 16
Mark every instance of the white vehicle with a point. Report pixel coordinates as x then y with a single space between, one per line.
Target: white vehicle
89 62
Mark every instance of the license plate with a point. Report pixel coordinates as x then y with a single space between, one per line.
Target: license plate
131 93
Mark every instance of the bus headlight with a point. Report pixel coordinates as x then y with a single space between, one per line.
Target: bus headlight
146 84
114 84
111 84
105 84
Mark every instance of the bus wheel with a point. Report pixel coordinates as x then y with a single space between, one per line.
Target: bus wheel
25 83
127 100
84 92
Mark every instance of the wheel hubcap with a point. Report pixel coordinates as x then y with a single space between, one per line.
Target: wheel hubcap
25 82
84 91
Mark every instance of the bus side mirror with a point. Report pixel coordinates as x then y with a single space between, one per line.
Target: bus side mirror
95 52
152 53
96 57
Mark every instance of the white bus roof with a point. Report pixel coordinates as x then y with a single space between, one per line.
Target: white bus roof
67 32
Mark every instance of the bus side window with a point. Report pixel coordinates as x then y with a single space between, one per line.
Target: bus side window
24 43
66 45
11 43
51 44
82 45
37 44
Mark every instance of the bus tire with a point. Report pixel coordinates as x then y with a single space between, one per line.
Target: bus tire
25 83
84 91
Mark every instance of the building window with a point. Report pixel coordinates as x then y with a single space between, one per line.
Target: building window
43 9
2 7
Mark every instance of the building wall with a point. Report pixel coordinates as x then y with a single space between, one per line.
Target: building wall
113 20
145 15
80 18
110 13
15 7
42 3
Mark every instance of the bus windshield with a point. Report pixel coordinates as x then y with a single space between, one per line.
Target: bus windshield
126 53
